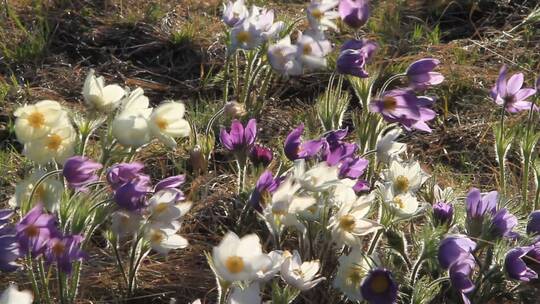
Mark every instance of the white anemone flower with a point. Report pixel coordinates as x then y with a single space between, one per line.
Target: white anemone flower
164 206
12 295
343 193
352 269
282 57
233 12
248 295
302 276
167 123
124 222
100 97
404 176
131 127
320 14
57 145
349 224
35 121
163 237
48 192
246 35
404 204
387 148
267 273
312 50
239 259
320 177
135 100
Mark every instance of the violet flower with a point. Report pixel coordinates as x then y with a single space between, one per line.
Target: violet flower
64 251
296 149
79 171
508 92
5 215
260 156
361 185
170 182
9 250
34 230
502 224
122 173
266 185
353 57
379 287
533 226
132 195
239 140
478 207
354 13
454 248
515 265
460 277
443 214
352 167
420 73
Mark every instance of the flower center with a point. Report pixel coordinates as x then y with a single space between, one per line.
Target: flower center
317 14
379 284
243 37
234 264
355 275
156 237
347 223
401 184
298 272
58 248
54 142
32 231
36 120
306 49
398 201
389 103
161 207
162 123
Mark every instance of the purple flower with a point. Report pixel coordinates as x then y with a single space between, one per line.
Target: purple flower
420 73
5 215
9 251
266 185
454 248
239 139
502 224
122 173
361 185
335 138
79 171
353 57
132 195
354 13
34 230
352 167
442 214
533 226
404 107
64 251
170 182
379 287
477 208
296 149
460 276
507 92
515 266
260 156
335 155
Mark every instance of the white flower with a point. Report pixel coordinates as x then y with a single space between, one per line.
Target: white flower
349 223
343 193
125 222
234 12
320 177
101 97
13 296
320 14
57 145
387 147
135 100
267 273
249 295
282 57
239 259
404 204
312 49
35 121
246 35
131 127
48 192
164 206
351 271
404 177
302 276
163 237
167 123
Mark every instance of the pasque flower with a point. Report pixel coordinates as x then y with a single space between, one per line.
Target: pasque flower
354 55
167 123
515 266
508 92
64 250
533 226
35 121
405 176
312 48
502 224
239 139
260 156
132 128
379 287
171 182
354 13
233 12
443 213
57 145
320 14
35 230
13 296
165 206
163 238
265 187
9 247
121 173
478 207
282 56
48 192
460 276
351 272
296 149
420 73
79 171
387 147
100 97
454 248
298 274
132 195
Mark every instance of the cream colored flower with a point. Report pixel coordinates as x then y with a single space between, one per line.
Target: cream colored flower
35 121
100 97
135 100
248 295
302 276
351 271
387 147
267 273
131 127
404 176
404 204
49 192
57 145
13 296
163 237
320 177
167 123
124 223
320 14
164 206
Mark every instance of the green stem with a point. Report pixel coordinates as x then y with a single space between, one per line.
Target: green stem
226 88
132 269
61 287
388 82
501 153
374 241
416 268
119 261
74 286
32 276
44 281
537 198
36 187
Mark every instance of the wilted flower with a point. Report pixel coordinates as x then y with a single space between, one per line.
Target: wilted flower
460 276
515 266
64 251
296 149
265 187
443 214
163 238
405 176
260 156
79 171
420 73
57 145
454 248
379 287
533 226
239 139
387 147
320 14
354 13
101 97
132 195
351 271
35 121
48 192
502 224
302 276
354 56
510 94
167 123
34 230
233 12
239 259
282 56
121 173
13 296
312 48
234 109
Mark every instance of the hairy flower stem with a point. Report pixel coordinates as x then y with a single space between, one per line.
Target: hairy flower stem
388 82
417 266
28 206
375 241
527 160
44 282
223 288
501 153
119 261
74 286
32 276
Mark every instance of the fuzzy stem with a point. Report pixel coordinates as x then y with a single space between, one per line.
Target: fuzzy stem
501 153
388 82
32 276
374 242
74 286
44 281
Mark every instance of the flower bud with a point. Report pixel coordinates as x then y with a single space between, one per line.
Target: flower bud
234 109
260 156
442 214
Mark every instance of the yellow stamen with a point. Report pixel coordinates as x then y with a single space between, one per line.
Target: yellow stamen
355 275
347 222
401 184
389 103
161 207
234 264
398 201
243 37
58 248
54 142
162 123
36 120
317 14
156 237
379 284
306 50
